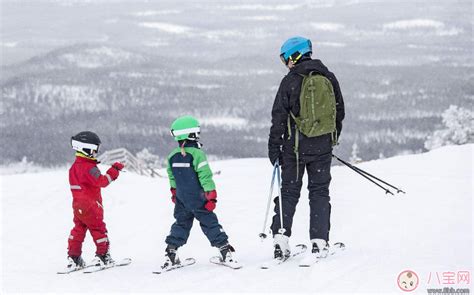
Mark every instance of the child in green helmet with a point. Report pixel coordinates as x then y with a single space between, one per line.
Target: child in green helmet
194 195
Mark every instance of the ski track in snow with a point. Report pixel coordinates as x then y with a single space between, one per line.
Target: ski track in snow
427 230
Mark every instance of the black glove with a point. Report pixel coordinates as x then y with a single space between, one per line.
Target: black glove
274 154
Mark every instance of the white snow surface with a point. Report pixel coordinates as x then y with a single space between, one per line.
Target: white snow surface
155 12
167 27
329 27
427 230
414 23
263 7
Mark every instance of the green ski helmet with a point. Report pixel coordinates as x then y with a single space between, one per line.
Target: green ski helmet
185 127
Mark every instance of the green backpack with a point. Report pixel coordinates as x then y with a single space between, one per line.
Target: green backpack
317 107
317 110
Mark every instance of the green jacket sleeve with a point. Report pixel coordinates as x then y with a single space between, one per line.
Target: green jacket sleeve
170 175
201 166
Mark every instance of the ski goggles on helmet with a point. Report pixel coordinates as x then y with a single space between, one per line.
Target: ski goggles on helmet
294 58
80 146
88 149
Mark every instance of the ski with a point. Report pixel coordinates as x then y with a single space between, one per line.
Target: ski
218 260
298 250
95 268
186 262
70 270
311 260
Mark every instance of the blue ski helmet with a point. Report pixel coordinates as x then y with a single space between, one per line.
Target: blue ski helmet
294 48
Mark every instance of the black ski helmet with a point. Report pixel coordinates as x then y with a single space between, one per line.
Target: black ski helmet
86 142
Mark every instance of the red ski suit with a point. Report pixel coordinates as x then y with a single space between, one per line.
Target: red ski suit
86 181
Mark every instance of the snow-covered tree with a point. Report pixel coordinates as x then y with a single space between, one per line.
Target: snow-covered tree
151 160
355 154
459 128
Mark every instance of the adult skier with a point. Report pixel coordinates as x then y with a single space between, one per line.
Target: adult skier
307 119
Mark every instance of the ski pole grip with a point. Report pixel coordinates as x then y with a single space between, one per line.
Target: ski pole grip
277 163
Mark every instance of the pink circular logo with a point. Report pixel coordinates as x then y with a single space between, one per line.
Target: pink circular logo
407 280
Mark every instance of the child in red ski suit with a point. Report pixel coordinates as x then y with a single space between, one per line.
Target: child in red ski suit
86 181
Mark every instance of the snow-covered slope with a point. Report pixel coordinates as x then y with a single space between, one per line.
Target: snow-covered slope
427 230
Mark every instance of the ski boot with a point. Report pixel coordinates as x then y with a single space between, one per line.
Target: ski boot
319 250
103 260
281 247
227 256
75 263
171 257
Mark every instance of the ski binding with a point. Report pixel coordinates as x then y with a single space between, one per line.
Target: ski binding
184 263
298 250
70 270
232 264
309 260
96 268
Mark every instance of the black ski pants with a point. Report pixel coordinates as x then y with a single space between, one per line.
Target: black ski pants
319 178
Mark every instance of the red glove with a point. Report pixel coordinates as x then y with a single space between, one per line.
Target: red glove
211 198
114 170
113 173
119 166
173 195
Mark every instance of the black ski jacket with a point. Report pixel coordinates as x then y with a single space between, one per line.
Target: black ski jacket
288 98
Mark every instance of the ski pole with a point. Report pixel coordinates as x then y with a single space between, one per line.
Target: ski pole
263 235
387 191
281 230
376 178
370 175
